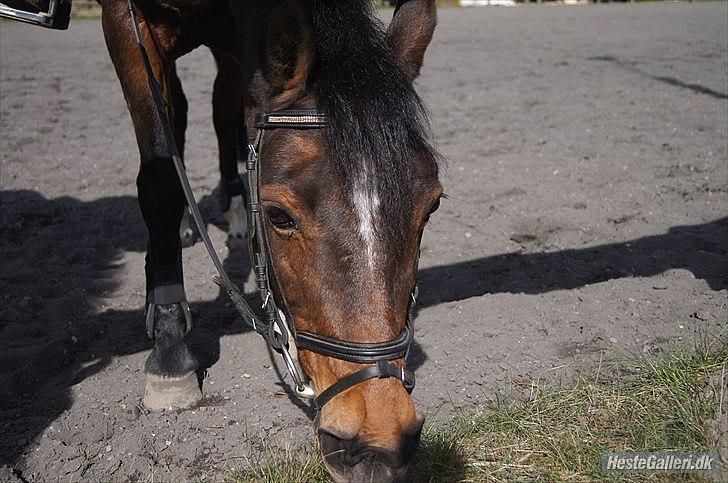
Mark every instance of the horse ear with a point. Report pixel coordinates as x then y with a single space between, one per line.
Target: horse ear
410 33
288 52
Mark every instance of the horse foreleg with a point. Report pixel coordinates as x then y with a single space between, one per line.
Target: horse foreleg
171 379
227 113
179 107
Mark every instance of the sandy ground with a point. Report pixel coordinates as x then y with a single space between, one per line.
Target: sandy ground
586 173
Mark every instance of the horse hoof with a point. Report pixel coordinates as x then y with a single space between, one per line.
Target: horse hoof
163 392
237 218
187 237
235 242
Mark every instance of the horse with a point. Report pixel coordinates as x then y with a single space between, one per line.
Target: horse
343 206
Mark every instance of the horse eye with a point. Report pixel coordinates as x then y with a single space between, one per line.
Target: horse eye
280 219
433 209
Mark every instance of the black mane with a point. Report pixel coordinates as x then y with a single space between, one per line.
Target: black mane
375 117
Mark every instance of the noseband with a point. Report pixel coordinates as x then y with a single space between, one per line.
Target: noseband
277 331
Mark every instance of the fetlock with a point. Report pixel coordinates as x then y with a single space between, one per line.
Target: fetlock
171 368
169 326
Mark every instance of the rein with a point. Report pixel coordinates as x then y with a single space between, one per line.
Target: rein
279 334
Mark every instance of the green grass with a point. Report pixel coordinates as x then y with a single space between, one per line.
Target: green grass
282 466
561 430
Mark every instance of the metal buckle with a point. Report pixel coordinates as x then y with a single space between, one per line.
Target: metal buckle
252 158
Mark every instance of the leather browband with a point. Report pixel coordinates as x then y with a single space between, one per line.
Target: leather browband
291 119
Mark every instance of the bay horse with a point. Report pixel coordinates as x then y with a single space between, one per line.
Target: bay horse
344 206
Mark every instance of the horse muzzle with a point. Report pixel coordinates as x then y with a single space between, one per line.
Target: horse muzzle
349 460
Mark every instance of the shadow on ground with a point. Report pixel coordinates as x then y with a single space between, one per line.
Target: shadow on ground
439 459
632 67
61 256
701 249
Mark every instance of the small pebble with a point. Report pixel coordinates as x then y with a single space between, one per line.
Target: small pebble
130 411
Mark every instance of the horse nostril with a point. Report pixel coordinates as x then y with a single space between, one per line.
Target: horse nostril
375 456
353 451
349 451
354 460
333 446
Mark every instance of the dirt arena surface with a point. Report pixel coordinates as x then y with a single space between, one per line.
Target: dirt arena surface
586 173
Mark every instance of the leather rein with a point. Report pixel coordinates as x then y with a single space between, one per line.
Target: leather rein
281 335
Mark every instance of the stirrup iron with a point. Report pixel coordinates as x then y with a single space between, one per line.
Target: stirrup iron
52 14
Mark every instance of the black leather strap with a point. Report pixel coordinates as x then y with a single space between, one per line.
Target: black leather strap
381 370
359 352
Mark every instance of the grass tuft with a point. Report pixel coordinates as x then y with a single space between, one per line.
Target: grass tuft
561 430
278 465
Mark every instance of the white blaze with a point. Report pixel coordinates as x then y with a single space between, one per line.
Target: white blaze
366 204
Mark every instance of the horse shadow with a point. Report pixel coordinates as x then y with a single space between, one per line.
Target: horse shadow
700 249
61 257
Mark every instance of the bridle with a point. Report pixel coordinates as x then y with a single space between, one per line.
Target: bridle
281 335
380 354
